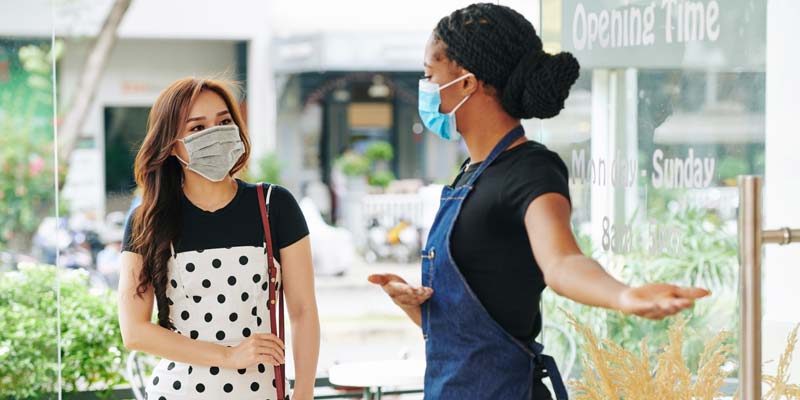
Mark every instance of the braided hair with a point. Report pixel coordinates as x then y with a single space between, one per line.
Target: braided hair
502 49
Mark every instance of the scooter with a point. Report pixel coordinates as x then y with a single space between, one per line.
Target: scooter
399 242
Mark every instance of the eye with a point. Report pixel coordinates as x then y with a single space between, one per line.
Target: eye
226 121
426 77
197 128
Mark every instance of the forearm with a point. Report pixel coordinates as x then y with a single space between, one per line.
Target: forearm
582 279
154 339
305 347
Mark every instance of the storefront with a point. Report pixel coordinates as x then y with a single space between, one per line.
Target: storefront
675 100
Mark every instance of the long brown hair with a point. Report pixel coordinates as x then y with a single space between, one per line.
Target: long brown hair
156 222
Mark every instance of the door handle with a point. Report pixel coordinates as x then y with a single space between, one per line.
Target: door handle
751 239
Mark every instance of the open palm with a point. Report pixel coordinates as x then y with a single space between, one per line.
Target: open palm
659 300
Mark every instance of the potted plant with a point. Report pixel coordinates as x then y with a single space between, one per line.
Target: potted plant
379 154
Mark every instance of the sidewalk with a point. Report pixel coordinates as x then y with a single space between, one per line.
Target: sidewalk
359 322
357 275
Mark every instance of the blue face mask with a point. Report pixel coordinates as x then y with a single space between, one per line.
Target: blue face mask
443 125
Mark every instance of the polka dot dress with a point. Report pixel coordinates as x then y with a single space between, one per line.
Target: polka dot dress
219 296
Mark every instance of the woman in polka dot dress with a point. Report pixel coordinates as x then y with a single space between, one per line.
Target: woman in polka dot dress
196 247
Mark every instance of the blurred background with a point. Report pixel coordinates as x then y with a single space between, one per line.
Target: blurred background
675 101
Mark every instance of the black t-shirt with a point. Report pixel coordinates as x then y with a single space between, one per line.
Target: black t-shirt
489 242
238 223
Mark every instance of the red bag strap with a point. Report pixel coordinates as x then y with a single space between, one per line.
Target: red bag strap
275 292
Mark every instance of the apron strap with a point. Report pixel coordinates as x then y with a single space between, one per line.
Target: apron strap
275 292
551 370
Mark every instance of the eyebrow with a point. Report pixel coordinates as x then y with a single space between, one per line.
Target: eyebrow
219 114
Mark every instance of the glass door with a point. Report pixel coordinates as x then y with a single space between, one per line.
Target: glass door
676 99
31 232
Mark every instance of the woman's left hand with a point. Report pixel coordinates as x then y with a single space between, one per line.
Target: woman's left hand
658 300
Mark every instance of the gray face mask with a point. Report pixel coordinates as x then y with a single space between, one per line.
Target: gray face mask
214 151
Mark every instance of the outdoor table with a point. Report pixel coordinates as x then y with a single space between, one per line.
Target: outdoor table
379 374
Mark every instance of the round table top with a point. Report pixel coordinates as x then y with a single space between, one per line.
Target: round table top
379 373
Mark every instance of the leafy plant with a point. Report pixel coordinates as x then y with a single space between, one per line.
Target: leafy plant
730 167
381 179
373 164
379 151
92 353
269 170
27 193
353 164
708 258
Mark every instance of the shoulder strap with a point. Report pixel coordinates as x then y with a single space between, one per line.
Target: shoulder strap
275 292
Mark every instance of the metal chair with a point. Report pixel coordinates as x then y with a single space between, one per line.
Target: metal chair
565 364
137 367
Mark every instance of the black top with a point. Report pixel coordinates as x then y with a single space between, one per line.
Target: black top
489 242
238 223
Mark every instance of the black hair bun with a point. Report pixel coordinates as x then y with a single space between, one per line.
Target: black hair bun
539 85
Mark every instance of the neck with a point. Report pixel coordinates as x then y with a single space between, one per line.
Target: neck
483 128
207 195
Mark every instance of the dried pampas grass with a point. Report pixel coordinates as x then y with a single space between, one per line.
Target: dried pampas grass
779 387
614 373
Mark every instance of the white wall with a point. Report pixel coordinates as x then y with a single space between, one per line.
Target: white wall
782 182
181 19
306 16
187 19
234 19
29 18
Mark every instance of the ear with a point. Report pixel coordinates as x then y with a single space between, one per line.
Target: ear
172 150
470 84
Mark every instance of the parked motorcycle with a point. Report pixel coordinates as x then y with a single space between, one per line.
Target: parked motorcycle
392 241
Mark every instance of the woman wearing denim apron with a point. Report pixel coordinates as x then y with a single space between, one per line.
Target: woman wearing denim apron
502 232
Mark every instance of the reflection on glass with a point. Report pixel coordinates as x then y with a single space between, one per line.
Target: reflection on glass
663 120
29 363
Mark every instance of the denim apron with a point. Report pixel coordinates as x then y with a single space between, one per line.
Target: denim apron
469 355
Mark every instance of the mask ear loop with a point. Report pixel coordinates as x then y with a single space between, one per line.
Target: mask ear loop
176 153
461 78
459 105
465 98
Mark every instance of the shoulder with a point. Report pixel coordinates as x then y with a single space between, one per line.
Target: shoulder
534 157
277 193
131 215
127 232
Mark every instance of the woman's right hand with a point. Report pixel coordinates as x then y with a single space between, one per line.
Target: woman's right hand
403 294
260 348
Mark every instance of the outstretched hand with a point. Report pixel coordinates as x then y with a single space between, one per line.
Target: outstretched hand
658 300
403 294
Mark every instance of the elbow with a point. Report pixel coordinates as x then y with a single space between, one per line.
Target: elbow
551 275
303 313
554 286
130 340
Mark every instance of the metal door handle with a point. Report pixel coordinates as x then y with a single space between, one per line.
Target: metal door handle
751 239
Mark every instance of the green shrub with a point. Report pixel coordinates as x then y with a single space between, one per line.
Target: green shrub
269 170
92 353
353 164
381 179
708 259
27 192
379 151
